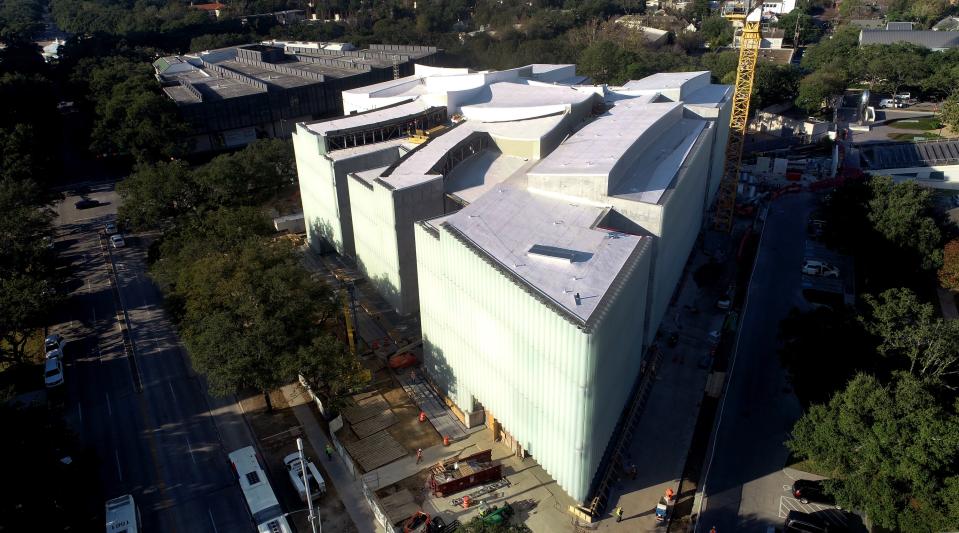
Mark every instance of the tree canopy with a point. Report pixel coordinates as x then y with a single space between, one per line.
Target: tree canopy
893 451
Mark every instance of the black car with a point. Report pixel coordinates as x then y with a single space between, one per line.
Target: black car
86 203
807 490
797 522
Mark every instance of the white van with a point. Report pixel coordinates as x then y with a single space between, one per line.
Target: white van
123 515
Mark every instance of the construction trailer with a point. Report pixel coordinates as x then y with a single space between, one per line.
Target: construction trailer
458 474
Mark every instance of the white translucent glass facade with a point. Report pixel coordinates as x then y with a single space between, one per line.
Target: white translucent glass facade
555 386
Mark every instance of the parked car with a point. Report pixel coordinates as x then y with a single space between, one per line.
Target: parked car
54 354
814 267
313 477
53 373
808 490
799 522
117 241
86 203
54 341
110 228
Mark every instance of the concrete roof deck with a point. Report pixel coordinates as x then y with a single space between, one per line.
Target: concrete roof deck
268 76
346 153
509 101
600 146
480 173
370 119
653 172
664 80
506 222
416 167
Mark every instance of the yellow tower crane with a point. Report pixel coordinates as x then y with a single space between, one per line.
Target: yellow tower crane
745 73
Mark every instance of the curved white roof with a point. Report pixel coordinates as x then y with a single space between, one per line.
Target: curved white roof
507 101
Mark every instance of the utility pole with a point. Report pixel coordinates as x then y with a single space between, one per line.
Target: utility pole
306 485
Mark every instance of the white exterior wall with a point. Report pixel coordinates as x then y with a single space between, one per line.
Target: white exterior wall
327 209
321 211
557 389
682 218
383 232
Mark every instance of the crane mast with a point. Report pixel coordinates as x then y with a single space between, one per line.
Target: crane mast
739 119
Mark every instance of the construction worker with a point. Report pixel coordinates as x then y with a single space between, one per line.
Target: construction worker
618 513
669 494
712 529
419 455
329 452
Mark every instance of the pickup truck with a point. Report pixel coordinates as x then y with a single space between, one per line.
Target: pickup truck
313 477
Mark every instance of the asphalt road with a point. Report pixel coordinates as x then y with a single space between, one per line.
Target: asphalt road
168 444
745 480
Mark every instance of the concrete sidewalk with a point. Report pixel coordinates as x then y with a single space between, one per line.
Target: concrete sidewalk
348 488
664 431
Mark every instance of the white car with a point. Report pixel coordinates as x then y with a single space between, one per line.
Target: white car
313 477
819 268
110 228
117 241
54 341
53 373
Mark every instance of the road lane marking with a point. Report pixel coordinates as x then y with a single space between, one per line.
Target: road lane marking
80 412
116 453
170 384
109 407
190 448
212 522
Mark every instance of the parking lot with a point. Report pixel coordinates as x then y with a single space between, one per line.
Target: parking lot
829 513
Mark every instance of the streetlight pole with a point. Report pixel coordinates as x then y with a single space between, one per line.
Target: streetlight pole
306 485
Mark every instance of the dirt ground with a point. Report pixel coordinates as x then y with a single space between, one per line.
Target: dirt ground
407 430
277 433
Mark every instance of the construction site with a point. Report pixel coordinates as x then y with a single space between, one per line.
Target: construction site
533 231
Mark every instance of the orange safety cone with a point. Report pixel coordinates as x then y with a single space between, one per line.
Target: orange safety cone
422 416
446 440
466 502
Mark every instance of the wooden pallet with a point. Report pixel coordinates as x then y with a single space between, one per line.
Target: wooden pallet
372 425
365 406
399 506
376 450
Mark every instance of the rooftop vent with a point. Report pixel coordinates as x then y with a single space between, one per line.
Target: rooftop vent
556 253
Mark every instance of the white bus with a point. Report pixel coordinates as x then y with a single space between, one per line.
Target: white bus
123 516
267 513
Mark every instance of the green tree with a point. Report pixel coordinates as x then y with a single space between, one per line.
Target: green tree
329 369
949 273
840 53
890 67
247 311
892 449
477 525
809 32
604 62
774 84
908 329
949 112
852 9
156 193
901 213
717 30
816 90
822 338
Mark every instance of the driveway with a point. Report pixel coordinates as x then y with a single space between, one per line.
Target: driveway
744 481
